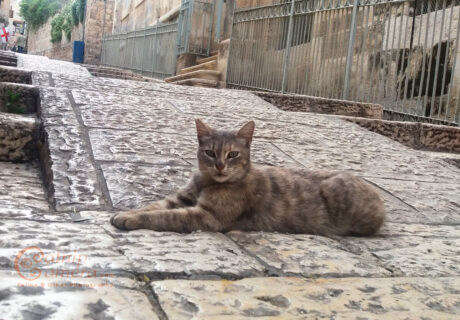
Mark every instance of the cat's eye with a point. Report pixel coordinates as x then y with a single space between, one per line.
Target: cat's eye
210 153
233 154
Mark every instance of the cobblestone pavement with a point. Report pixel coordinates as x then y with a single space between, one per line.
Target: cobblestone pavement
120 144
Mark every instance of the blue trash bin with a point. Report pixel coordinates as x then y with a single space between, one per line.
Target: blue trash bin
78 51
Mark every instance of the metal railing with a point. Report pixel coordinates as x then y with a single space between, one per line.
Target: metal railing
151 51
401 54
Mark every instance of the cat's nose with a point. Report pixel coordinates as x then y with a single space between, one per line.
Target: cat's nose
220 166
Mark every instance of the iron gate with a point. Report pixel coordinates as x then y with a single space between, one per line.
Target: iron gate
401 54
195 27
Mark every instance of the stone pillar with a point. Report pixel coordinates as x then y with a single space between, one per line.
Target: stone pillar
97 11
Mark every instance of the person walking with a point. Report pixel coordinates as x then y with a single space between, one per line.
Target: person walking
4 35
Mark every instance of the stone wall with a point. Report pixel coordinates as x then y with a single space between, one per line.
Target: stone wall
136 14
5 9
300 103
99 16
415 135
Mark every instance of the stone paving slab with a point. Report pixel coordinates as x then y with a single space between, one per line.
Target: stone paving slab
82 299
134 185
438 202
154 147
412 255
409 165
306 255
97 249
41 78
294 298
75 182
56 109
41 63
421 230
199 254
213 97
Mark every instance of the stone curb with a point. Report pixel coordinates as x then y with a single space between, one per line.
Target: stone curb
415 135
301 103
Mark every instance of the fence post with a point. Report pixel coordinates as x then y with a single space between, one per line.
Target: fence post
143 49
132 49
102 50
188 27
288 47
351 47
155 48
219 19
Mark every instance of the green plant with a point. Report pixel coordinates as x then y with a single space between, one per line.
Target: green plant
69 17
11 103
75 16
81 10
68 23
56 28
37 12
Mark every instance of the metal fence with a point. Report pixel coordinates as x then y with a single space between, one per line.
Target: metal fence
401 54
151 51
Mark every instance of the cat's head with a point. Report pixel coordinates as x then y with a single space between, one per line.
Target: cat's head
224 156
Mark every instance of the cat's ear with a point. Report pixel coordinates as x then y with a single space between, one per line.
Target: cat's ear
247 132
202 129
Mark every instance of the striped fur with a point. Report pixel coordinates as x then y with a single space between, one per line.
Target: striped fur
229 193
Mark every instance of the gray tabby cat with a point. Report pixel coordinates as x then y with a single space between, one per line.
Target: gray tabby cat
229 193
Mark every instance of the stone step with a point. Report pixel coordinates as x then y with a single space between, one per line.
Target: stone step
22 98
211 65
11 74
104 73
11 58
197 82
8 63
202 74
118 76
207 59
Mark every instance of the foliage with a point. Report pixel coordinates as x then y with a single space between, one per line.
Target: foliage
69 17
56 28
68 24
37 12
75 13
11 102
81 10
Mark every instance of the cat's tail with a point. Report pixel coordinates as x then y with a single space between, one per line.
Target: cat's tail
353 205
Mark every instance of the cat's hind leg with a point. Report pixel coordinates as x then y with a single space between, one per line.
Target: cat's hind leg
353 205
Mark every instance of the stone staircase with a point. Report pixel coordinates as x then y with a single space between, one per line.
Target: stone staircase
203 74
115 73
8 59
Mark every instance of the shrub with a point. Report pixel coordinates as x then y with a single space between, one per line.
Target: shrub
37 12
75 16
68 23
56 28
69 17
81 10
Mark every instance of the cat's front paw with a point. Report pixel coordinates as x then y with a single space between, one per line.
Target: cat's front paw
126 221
